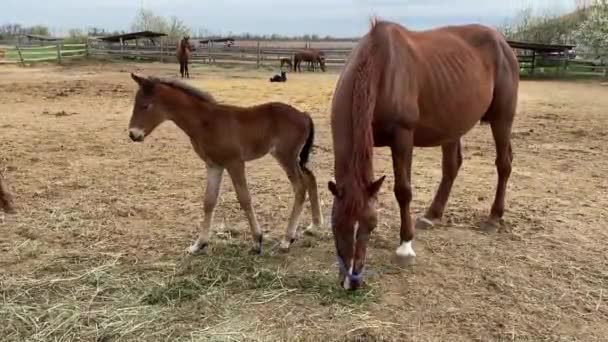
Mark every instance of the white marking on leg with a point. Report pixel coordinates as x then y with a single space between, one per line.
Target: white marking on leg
406 250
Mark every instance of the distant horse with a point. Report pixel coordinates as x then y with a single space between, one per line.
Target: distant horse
308 55
183 54
401 89
279 78
286 61
6 200
225 137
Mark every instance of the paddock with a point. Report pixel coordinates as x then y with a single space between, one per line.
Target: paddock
97 250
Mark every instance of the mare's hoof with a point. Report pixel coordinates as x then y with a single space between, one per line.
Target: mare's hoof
405 260
311 229
424 223
197 249
490 226
256 250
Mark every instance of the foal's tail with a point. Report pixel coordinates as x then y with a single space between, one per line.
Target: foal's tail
305 152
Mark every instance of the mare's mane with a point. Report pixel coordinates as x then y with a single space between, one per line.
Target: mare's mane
186 89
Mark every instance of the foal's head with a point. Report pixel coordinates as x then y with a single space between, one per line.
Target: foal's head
353 218
147 111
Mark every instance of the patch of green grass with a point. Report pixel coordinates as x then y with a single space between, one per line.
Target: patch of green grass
234 271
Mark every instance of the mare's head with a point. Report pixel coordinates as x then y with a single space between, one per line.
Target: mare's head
353 218
147 110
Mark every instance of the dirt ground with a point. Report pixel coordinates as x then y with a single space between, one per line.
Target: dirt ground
97 248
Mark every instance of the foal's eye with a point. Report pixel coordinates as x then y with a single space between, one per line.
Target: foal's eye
145 106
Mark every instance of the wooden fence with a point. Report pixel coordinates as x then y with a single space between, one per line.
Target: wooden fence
256 53
49 53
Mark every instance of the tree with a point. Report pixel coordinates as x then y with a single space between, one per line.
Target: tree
146 20
593 32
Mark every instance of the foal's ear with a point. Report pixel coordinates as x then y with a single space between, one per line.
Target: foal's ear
143 82
373 188
333 188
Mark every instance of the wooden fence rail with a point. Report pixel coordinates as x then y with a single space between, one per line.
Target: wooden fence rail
49 53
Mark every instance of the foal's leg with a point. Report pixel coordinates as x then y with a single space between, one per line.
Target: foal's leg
401 150
501 130
451 162
237 173
212 191
186 67
289 163
315 206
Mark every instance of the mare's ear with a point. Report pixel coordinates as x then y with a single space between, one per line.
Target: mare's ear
373 188
333 188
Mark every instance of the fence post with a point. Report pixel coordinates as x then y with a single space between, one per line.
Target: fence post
87 53
19 51
59 53
259 54
162 56
209 47
122 49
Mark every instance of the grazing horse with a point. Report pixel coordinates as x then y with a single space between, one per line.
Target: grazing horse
308 55
225 137
401 89
6 200
279 78
183 54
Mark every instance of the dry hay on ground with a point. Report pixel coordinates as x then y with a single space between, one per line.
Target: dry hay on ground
97 250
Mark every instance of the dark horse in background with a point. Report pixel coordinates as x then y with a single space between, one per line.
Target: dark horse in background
183 54
401 89
312 56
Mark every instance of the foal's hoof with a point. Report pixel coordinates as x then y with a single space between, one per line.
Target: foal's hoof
285 245
311 229
490 226
198 249
257 245
425 223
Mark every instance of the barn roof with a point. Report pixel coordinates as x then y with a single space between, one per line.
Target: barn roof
132 35
216 40
42 38
539 47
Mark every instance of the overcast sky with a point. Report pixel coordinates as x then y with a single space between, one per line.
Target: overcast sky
323 17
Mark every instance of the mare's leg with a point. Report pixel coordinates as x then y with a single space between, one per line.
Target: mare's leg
187 72
6 200
451 162
315 206
239 181
212 191
402 149
501 130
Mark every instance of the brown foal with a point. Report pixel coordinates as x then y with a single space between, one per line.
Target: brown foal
226 137
401 89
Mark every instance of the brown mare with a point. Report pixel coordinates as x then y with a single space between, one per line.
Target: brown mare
183 54
225 137
6 200
401 89
308 55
